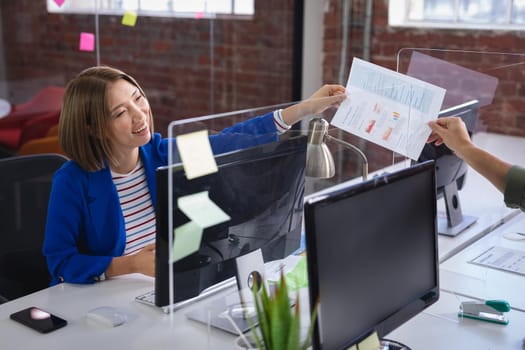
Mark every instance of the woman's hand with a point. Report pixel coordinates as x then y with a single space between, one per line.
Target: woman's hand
329 95
141 262
145 260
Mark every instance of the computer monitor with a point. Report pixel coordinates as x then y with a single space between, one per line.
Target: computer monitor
372 255
260 188
451 172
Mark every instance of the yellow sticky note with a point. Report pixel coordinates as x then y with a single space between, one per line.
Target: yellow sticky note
353 347
370 343
129 18
196 154
201 210
187 240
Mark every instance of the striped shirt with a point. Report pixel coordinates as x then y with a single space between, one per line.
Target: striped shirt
137 208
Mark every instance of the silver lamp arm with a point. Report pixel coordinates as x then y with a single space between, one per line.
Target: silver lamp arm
364 160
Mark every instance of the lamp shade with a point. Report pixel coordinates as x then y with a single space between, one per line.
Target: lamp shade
319 159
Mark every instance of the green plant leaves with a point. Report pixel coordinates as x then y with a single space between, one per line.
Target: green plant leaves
280 324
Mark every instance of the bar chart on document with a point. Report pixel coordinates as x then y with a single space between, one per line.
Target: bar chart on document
388 108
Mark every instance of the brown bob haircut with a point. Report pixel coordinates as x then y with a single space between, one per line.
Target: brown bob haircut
83 131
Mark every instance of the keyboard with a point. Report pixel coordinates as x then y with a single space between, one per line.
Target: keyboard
148 298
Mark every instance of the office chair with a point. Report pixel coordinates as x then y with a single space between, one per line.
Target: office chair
25 185
37 114
47 144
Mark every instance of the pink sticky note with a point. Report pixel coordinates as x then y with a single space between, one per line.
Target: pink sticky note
87 41
199 15
59 2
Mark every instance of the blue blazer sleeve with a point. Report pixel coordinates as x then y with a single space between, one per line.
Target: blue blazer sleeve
255 131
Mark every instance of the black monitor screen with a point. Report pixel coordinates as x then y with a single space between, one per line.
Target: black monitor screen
451 172
260 188
372 255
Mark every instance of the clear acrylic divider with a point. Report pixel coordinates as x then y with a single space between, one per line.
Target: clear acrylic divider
348 164
486 90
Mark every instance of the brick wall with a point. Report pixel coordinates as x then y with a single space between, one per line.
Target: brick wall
507 112
252 64
170 57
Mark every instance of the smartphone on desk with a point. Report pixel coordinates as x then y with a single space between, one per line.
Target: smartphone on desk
38 319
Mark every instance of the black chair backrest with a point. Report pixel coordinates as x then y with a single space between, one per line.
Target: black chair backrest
25 185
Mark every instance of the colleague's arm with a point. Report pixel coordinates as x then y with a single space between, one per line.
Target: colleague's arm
453 133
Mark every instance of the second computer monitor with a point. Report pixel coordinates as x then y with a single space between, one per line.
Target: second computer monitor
372 255
451 172
260 188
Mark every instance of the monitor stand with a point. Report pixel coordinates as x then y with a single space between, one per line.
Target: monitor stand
235 313
226 313
388 344
455 222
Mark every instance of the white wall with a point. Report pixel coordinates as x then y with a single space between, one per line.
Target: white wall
312 46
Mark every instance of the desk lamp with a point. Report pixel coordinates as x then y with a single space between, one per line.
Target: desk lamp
319 160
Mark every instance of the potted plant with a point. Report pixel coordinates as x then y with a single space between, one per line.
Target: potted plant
279 320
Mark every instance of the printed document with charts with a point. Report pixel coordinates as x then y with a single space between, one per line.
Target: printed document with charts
388 108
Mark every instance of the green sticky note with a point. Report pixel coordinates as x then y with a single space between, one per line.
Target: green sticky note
297 278
201 210
370 343
187 241
129 18
196 154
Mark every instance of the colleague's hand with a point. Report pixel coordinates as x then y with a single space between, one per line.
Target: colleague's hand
452 132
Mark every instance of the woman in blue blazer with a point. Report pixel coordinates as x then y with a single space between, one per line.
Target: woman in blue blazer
96 226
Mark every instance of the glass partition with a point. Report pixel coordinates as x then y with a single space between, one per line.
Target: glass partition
262 178
190 59
495 79
348 164
486 90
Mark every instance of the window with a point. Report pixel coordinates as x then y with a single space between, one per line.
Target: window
162 8
474 14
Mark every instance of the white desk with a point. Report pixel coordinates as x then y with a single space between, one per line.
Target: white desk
479 198
147 328
439 328
460 276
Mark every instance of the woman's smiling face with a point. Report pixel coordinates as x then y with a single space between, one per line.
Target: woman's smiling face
129 116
